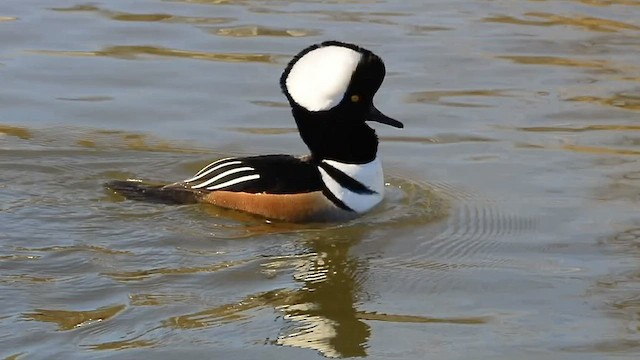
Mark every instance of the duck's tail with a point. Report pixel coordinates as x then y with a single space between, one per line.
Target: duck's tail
140 191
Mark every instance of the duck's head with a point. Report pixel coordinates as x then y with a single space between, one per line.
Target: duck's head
330 87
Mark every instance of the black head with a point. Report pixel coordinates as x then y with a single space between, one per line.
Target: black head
330 87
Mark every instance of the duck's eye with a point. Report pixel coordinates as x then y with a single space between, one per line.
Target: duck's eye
355 98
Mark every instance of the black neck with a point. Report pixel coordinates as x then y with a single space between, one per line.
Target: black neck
331 136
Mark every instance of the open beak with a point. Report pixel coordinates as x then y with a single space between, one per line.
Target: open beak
376 115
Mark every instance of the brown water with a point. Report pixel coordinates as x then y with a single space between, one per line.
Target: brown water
510 229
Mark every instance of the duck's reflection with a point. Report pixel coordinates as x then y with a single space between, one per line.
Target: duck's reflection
324 316
321 313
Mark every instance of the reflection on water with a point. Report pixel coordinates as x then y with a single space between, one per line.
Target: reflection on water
68 320
143 274
319 315
560 61
435 97
509 227
586 22
619 100
124 16
133 52
608 127
237 31
23 133
609 2
324 315
122 345
244 31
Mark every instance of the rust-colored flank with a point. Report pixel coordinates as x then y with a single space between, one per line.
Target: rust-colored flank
311 206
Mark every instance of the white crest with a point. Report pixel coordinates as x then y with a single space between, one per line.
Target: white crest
319 79
369 174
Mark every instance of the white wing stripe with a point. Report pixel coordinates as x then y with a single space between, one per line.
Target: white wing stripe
234 181
224 174
201 173
210 165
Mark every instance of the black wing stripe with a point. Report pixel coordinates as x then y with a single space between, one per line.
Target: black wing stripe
345 180
334 199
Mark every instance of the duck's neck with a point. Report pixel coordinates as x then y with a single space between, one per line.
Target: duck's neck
330 137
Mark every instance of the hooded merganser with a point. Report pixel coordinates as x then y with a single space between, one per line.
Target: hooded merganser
330 87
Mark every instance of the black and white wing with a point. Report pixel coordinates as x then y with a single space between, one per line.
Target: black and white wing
223 174
274 174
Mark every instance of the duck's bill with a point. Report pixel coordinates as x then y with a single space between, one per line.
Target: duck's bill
376 115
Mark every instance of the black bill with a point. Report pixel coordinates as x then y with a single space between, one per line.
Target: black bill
376 115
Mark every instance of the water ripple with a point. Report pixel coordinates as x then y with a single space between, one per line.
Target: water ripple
133 52
437 96
621 100
124 16
257 30
476 231
69 320
475 320
229 313
138 275
549 19
122 345
17 131
602 3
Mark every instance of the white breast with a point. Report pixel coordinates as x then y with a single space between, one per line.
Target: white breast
369 174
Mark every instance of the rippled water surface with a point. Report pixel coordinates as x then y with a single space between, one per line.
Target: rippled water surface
510 227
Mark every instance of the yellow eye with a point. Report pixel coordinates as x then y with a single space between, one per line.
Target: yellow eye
355 98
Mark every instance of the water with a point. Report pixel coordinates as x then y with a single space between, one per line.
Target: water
510 227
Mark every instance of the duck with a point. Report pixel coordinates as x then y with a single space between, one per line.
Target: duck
330 88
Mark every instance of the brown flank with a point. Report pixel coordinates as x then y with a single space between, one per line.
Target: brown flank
311 206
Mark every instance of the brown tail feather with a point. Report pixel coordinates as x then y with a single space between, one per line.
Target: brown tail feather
135 190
